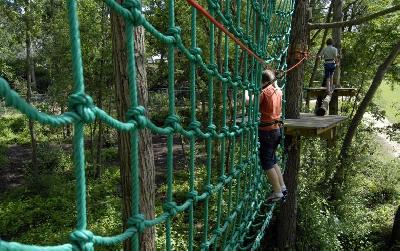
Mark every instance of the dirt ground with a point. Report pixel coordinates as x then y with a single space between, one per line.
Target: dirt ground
19 156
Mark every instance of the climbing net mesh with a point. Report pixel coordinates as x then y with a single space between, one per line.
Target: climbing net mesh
261 29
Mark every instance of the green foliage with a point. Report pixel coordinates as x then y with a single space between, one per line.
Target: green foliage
158 103
14 130
370 196
24 215
317 220
48 217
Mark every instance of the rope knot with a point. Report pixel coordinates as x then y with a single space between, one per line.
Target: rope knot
131 4
212 129
229 19
240 167
194 125
227 76
209 189
173 121
205 245
240 33
213 4
225 130
212 69
176 33
135 8
196 53
138 221
218 232
83 239
82 105
223 178
192 195
171 208
246 85
236 81
260 53
137 114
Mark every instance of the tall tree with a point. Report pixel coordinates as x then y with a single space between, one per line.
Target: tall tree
146 156
298 41
30 78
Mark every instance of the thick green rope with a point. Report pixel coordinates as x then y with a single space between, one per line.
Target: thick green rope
241 222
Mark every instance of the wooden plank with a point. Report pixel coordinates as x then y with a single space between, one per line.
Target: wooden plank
319 91
310 125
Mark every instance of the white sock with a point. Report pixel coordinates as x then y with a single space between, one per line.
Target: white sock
279 194
283 188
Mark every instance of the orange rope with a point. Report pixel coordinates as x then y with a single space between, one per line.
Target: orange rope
238 42
221 27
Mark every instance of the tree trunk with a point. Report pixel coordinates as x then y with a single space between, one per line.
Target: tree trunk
298 41
146 157
102 79
395 238
99 140
93 129
122 104
30 73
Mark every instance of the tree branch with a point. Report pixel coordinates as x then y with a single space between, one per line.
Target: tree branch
354 21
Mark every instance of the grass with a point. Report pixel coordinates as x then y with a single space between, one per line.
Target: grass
388 99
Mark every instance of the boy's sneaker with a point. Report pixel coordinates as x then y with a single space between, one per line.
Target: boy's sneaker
285 193
274 197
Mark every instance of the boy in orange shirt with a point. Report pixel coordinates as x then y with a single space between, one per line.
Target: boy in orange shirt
269 134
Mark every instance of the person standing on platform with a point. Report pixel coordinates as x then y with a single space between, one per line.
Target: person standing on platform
331 58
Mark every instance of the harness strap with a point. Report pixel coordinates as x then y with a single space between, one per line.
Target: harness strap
264 124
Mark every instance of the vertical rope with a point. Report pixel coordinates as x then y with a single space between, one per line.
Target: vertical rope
193 121
78 138
171 112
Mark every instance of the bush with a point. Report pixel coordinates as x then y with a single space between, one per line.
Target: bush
52 158
48 218
14 130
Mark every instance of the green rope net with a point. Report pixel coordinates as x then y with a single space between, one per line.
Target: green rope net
240 190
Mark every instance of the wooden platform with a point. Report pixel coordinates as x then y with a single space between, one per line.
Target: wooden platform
319 91
311 125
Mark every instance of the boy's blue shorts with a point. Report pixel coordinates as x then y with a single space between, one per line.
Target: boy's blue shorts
269 141
329 69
